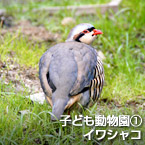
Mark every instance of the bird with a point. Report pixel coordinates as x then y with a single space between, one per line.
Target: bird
72 72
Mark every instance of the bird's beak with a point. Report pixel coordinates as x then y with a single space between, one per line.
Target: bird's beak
96 32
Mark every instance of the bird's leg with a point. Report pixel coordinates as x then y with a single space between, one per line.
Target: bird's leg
49 100
73 100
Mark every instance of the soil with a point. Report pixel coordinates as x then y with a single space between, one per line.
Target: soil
34 33
21 77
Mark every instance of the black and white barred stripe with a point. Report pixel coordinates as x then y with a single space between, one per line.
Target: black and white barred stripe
98 81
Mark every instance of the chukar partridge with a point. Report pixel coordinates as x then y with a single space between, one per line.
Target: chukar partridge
72 72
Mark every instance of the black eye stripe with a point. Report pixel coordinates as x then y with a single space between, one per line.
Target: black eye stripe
78 38
90 29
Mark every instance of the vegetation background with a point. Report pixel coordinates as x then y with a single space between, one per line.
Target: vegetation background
123 45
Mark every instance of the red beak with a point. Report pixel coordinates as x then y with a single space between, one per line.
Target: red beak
96 32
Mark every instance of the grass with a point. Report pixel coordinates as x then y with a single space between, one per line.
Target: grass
44 3
21 46
123 45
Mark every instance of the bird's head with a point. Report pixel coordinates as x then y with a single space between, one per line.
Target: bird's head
85 33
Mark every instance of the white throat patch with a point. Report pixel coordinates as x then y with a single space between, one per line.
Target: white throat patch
88 38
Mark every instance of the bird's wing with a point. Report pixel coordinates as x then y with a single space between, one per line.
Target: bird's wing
43 71
44 64
86 58
90 73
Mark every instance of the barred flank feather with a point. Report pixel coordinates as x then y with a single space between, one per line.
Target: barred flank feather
98 81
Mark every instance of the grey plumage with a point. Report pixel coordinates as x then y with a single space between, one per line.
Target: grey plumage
70 69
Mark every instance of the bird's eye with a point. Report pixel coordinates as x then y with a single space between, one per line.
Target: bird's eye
85 31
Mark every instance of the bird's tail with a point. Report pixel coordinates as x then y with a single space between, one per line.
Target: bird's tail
59 102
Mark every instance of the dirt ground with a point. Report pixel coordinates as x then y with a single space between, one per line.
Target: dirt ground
34 33
20 76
